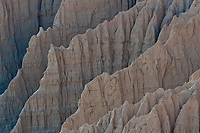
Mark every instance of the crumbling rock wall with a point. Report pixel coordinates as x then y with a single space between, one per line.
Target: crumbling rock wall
174 110
163 65
109 47
35 61
19 20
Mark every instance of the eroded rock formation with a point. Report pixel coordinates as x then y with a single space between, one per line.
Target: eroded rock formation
19 20
174 110
164 65
109 47
126 101
35 61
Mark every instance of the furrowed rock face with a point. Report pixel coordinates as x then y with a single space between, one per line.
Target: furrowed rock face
66 64
19 20
162 111
35 61
109 47
163 65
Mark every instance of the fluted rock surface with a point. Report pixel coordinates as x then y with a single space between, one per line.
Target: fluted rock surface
68 71
162 111
19 20
163 65
109 47
68 23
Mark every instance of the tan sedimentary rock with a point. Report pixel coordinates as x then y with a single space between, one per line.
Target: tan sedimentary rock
163 65
19 20
107 48
68 71
162 111
35 61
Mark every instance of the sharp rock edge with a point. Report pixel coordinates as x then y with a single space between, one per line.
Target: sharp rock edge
163 65
109 47
19 20
165 111
68 23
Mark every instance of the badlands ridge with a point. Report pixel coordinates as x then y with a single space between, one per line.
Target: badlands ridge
94 66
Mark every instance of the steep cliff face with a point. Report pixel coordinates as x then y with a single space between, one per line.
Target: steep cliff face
167 111
19 20
35 61
163 65
48 10
68 62
109 47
